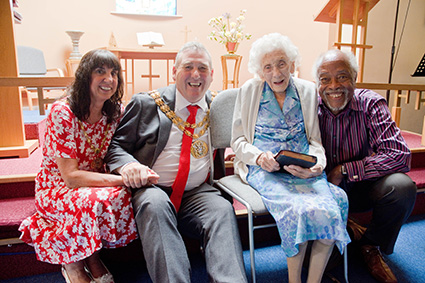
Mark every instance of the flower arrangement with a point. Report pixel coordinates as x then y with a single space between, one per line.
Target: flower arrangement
226 31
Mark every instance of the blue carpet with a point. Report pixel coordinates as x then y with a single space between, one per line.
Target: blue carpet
407 262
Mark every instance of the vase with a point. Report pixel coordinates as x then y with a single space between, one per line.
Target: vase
75 37
232 47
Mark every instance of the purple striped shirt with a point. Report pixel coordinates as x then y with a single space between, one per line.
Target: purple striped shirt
364 138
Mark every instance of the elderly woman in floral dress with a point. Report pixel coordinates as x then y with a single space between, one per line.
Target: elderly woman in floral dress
275 111
80 208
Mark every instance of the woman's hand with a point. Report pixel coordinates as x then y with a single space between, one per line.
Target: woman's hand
136 175
304 173
267 162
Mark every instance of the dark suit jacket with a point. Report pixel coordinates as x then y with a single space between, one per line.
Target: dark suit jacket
144 131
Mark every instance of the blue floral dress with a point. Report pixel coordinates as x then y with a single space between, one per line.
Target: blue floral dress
304 209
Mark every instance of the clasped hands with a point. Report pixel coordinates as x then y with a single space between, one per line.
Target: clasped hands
136 175
267 162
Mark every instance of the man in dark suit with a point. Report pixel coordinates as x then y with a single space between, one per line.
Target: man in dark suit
161 151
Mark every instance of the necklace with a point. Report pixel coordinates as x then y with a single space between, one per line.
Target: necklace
97 163
198 148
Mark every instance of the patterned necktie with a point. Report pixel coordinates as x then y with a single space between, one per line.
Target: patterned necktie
184 164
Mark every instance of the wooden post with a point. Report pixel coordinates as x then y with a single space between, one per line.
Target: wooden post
423 133
12 134
355 26
396 115
237 66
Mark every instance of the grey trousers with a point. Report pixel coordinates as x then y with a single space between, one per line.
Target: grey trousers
205 215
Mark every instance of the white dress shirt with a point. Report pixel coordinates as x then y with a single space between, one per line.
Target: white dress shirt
167 164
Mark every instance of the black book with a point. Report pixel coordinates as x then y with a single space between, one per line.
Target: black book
288 157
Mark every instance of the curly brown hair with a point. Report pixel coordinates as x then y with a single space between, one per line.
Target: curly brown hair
79 92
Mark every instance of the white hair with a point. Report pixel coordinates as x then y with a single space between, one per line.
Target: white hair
267 44
195 46
347 56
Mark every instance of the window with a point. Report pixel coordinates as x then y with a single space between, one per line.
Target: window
147 7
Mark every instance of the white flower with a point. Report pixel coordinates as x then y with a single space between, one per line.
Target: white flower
104 230
85 218
82 241
102 194
225 30
121 225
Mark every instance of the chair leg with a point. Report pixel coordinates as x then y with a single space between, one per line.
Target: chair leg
25 95
30 105
251 243
345 264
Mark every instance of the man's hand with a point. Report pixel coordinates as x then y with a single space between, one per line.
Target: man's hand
267 162
335 176
136 175
304 173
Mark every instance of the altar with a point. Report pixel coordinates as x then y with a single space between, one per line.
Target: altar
130 55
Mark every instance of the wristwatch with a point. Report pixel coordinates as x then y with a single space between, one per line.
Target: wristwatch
343 170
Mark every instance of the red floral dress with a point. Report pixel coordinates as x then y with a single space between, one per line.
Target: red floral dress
71 224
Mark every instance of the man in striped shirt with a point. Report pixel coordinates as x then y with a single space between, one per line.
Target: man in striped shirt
366 156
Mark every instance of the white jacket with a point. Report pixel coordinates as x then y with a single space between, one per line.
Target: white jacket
245 116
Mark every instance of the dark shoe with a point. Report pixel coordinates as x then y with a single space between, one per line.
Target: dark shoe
376 264
355 230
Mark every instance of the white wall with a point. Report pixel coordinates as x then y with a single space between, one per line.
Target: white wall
411 51
45 23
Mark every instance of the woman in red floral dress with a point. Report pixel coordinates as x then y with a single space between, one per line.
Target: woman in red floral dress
81 208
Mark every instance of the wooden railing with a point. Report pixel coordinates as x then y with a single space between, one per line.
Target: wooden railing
36 81
401 91
39 83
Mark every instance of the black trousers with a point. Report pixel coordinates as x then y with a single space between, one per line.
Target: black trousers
391 199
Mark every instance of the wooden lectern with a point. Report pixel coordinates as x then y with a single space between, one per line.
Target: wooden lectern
354 13
12 134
